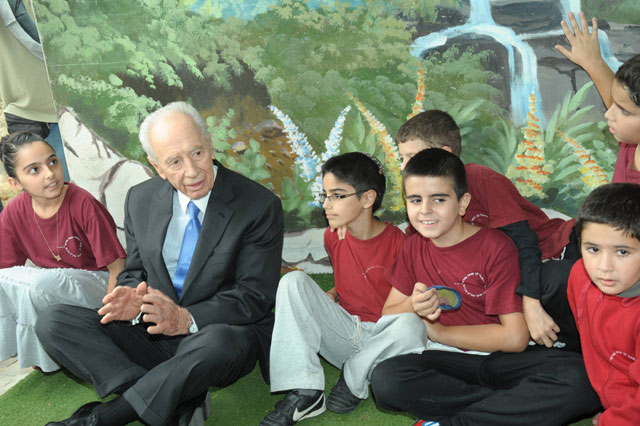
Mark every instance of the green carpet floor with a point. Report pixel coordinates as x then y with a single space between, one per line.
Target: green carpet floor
41 398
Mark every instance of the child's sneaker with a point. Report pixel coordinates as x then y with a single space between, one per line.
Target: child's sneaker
341 400
297 405
425 423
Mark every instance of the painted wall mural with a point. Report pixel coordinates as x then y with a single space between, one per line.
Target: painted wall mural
286 84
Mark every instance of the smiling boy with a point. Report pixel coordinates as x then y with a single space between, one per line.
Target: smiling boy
603 294
480 263
472 371
496 203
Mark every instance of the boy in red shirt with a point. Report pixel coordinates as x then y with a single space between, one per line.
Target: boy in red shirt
343 325
481 264
603 293
497 204
620 93
472 371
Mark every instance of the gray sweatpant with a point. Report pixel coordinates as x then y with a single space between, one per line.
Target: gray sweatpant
308 323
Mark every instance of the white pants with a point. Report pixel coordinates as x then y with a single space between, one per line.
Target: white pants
26 291
309 323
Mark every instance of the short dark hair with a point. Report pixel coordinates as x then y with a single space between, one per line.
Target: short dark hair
434 127
628 75
613 204
362 171
12 144
436 162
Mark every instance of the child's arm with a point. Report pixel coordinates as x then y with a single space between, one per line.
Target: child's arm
421 302
333 294
542 327
114 269
510 335
585 52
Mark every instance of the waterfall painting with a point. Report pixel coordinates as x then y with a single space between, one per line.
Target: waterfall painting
286 84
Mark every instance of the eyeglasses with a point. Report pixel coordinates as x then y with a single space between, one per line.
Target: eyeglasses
336 197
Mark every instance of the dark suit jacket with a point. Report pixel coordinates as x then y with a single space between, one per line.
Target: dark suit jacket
235 268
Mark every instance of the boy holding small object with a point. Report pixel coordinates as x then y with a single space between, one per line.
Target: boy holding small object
473 371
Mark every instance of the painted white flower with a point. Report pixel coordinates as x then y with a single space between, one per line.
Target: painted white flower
306 158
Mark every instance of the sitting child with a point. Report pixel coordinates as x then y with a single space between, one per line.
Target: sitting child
343 325
480 264
473 371
603 293
64 231
620 93
496 203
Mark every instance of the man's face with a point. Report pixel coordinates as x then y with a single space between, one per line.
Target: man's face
410 148
611 258
183 155
623 116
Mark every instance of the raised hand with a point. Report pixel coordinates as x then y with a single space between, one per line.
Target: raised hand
585 47
585 52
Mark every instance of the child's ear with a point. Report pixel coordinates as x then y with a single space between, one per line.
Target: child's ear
464 203
15 183
368 198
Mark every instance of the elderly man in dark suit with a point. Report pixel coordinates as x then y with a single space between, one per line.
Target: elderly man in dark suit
193 306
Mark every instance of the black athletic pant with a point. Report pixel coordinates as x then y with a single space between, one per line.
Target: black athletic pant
536 387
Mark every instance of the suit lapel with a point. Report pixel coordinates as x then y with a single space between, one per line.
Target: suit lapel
215 221
160 213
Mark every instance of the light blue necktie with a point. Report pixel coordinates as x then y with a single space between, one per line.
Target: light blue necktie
189 241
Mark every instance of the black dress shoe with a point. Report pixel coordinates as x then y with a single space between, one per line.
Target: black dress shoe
193 412
83 416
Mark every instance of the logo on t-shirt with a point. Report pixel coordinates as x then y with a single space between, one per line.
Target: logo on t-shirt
479 219
73 246
473 284
374 274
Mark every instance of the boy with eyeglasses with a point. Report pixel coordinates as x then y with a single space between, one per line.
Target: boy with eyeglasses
343 325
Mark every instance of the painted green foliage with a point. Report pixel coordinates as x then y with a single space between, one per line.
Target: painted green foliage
614 10
113 62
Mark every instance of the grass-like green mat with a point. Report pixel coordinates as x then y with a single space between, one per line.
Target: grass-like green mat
41 398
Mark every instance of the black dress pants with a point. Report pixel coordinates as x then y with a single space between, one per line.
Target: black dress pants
154 373
536 387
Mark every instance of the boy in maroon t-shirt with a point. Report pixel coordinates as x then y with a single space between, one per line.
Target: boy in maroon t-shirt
461 280
342 325
497 204
478 266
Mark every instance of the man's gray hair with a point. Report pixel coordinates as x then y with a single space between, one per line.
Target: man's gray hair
173 107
